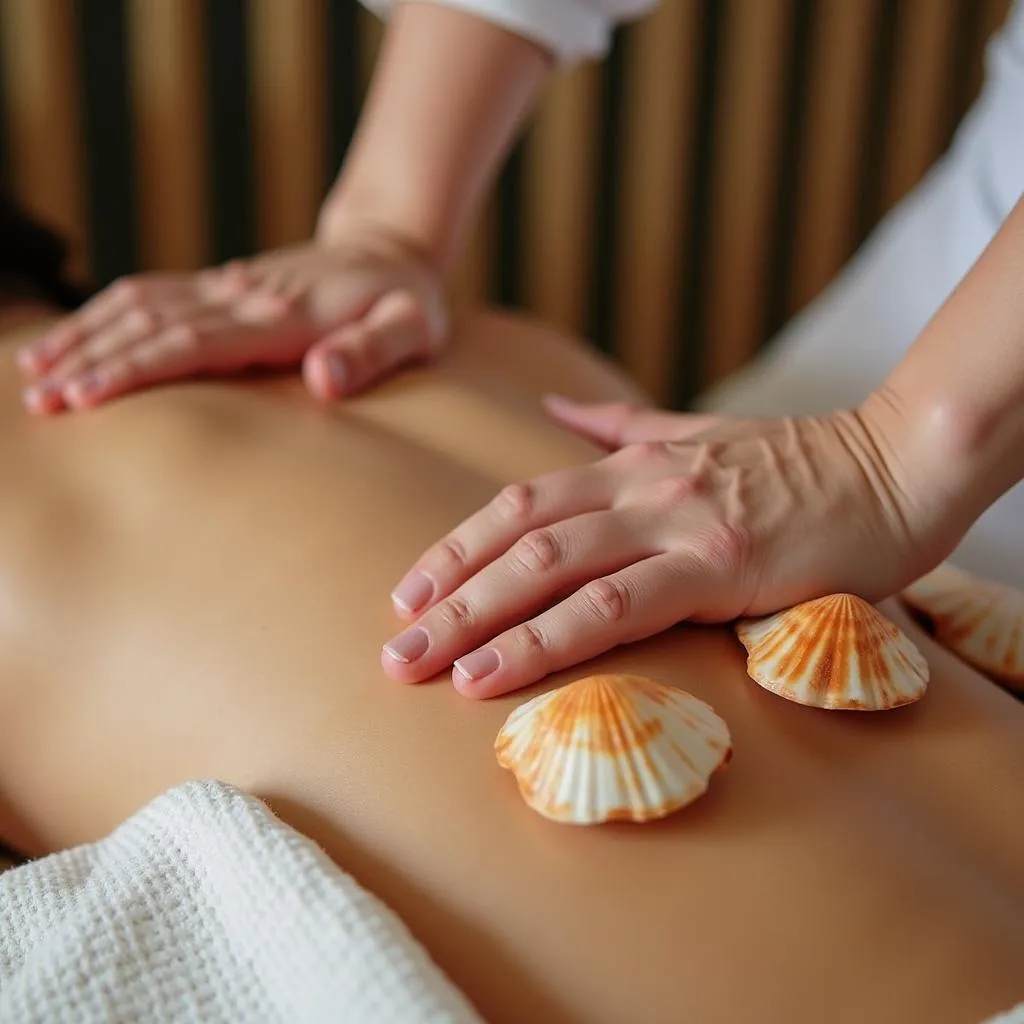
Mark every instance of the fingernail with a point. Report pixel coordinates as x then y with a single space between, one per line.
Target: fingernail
34 396
558 401
338 369
478 664
413 592
408 646
40 390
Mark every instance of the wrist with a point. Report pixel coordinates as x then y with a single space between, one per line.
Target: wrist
937 456
352 211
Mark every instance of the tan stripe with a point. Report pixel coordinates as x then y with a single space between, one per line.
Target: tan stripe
920 94
744 177
40 82
288 81
658 142
559 184
166 68
472 277
828 185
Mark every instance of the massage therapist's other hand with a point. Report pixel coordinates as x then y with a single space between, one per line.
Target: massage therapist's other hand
720 517
351 313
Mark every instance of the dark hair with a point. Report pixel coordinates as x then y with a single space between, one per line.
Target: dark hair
32 260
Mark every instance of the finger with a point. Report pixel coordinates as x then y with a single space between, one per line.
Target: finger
392 333
173 352
543 565
42 398
80 368
615 424
86 375
130 328
216 343
489 533
632 604
42 354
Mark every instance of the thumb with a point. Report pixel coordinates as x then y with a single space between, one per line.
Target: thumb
616 424
394 332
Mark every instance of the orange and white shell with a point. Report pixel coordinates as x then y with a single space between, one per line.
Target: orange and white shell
980 621
612 748
836 652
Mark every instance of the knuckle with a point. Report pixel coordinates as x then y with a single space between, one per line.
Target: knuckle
675 489
127 289
607 600
645 452
372 354
118 371
140 319
183 338
423 323
726 546
456 613
71 367
531 640
449 557
539 551
620 413
516 502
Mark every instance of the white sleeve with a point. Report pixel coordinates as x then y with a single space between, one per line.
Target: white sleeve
572 30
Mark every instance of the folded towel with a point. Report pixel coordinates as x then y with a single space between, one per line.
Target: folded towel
206 907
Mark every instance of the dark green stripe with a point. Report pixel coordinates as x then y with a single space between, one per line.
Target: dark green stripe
791 154
879 111
228 130
506 284
603 288
343 86
107 128
693 284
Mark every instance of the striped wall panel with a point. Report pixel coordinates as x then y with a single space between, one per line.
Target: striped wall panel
675 204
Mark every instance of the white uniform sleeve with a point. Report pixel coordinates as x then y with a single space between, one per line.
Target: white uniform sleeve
572 30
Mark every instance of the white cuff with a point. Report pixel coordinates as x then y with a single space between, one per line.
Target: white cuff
572 30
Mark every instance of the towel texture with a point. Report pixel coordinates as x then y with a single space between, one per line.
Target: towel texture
206 907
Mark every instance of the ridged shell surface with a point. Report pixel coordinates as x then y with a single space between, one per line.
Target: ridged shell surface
980 621
612 748
836 652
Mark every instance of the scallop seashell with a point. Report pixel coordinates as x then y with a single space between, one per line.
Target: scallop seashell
978 620
836 652
612 748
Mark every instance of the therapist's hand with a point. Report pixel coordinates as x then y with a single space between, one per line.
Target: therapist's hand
729 517
351 312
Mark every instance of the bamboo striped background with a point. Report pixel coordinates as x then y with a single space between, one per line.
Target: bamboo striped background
675 204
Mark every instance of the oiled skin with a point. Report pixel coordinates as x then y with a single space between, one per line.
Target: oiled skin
193 583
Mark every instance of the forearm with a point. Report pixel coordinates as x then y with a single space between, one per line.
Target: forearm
959 391
449 95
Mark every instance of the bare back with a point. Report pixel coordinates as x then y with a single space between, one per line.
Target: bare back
193 583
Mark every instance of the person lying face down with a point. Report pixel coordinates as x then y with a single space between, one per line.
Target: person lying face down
719 518
194 584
